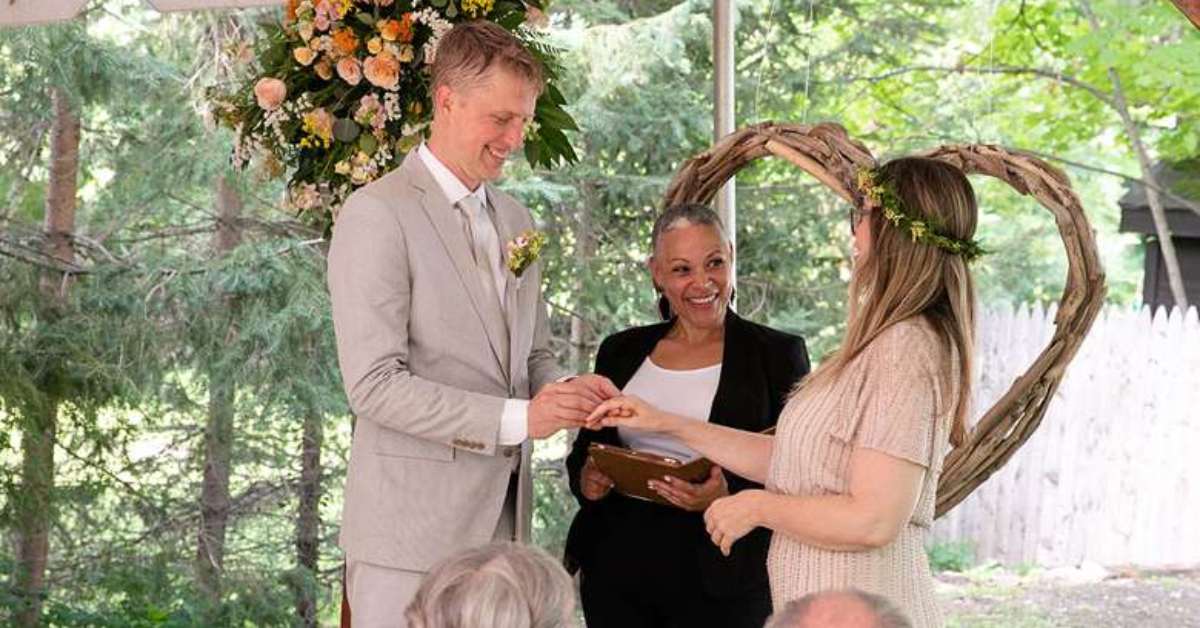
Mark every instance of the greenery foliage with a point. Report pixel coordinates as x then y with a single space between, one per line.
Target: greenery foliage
339 92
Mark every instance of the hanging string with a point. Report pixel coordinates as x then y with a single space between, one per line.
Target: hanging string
766 56
808 58
989 134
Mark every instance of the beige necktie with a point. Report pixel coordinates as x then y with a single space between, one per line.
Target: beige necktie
485 248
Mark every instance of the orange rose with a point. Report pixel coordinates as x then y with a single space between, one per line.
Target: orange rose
289 13
344 42
406 30
382 70
389 29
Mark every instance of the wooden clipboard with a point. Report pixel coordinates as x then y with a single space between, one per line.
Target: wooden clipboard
631 470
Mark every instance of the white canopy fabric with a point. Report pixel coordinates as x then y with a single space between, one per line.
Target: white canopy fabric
25 12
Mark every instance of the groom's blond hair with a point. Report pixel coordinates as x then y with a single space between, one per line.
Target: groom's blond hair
469 50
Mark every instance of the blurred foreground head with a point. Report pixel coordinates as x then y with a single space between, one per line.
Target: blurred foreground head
496 585
839 609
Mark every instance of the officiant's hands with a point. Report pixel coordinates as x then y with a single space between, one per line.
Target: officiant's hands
630 411
692 496
567 404
592 482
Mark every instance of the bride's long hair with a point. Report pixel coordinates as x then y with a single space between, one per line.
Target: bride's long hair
901 278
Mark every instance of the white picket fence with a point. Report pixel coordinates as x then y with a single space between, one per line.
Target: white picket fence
1112 476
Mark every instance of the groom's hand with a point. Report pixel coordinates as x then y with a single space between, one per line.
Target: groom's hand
566 404
596 388
558 406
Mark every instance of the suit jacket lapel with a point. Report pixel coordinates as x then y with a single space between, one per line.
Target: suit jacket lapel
736 402
441 214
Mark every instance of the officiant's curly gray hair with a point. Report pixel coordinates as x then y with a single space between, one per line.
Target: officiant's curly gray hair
499 584
685 215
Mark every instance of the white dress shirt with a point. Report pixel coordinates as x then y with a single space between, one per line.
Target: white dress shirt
514 426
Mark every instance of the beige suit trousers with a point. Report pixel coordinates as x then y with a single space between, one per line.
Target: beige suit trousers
379 595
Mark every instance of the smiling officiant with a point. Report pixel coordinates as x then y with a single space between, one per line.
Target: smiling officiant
647 564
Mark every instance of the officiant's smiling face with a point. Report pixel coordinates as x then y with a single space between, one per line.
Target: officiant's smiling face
691 266
478 124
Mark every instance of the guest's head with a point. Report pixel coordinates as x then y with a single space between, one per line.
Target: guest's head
501 584
690 262
897 276
839 609
485 84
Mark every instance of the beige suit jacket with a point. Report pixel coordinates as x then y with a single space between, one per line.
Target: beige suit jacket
422 360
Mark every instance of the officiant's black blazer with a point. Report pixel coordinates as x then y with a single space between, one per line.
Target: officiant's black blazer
760 366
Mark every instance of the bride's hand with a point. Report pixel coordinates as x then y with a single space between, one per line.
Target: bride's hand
630 411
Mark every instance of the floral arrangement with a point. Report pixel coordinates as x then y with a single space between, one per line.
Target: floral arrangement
881 194
522 251
339 93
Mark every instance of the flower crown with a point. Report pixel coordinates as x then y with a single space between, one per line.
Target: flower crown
881 193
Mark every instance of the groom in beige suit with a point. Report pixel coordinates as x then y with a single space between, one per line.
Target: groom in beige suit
440 345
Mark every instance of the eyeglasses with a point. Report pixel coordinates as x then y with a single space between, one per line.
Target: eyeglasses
856 216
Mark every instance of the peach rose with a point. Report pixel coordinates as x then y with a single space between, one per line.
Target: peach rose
374 45
349 70
382 70
535 17
304 55
270 92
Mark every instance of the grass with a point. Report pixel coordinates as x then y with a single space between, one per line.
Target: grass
958 556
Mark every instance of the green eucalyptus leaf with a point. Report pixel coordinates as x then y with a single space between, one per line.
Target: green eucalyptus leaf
345 130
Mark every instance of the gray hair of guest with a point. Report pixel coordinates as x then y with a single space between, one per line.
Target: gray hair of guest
793 614
685 215
499 584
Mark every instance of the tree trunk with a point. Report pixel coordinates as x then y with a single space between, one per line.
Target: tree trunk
34 503
34 506
1161 228
218 433
308 517
1190 8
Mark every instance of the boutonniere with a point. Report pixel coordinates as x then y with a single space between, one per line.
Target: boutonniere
524 250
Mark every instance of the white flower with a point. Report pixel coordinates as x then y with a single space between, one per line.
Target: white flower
439 25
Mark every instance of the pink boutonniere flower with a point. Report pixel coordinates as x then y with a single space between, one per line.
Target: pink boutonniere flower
523 250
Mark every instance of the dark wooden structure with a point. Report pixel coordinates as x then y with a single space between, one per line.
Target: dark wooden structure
1183 181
